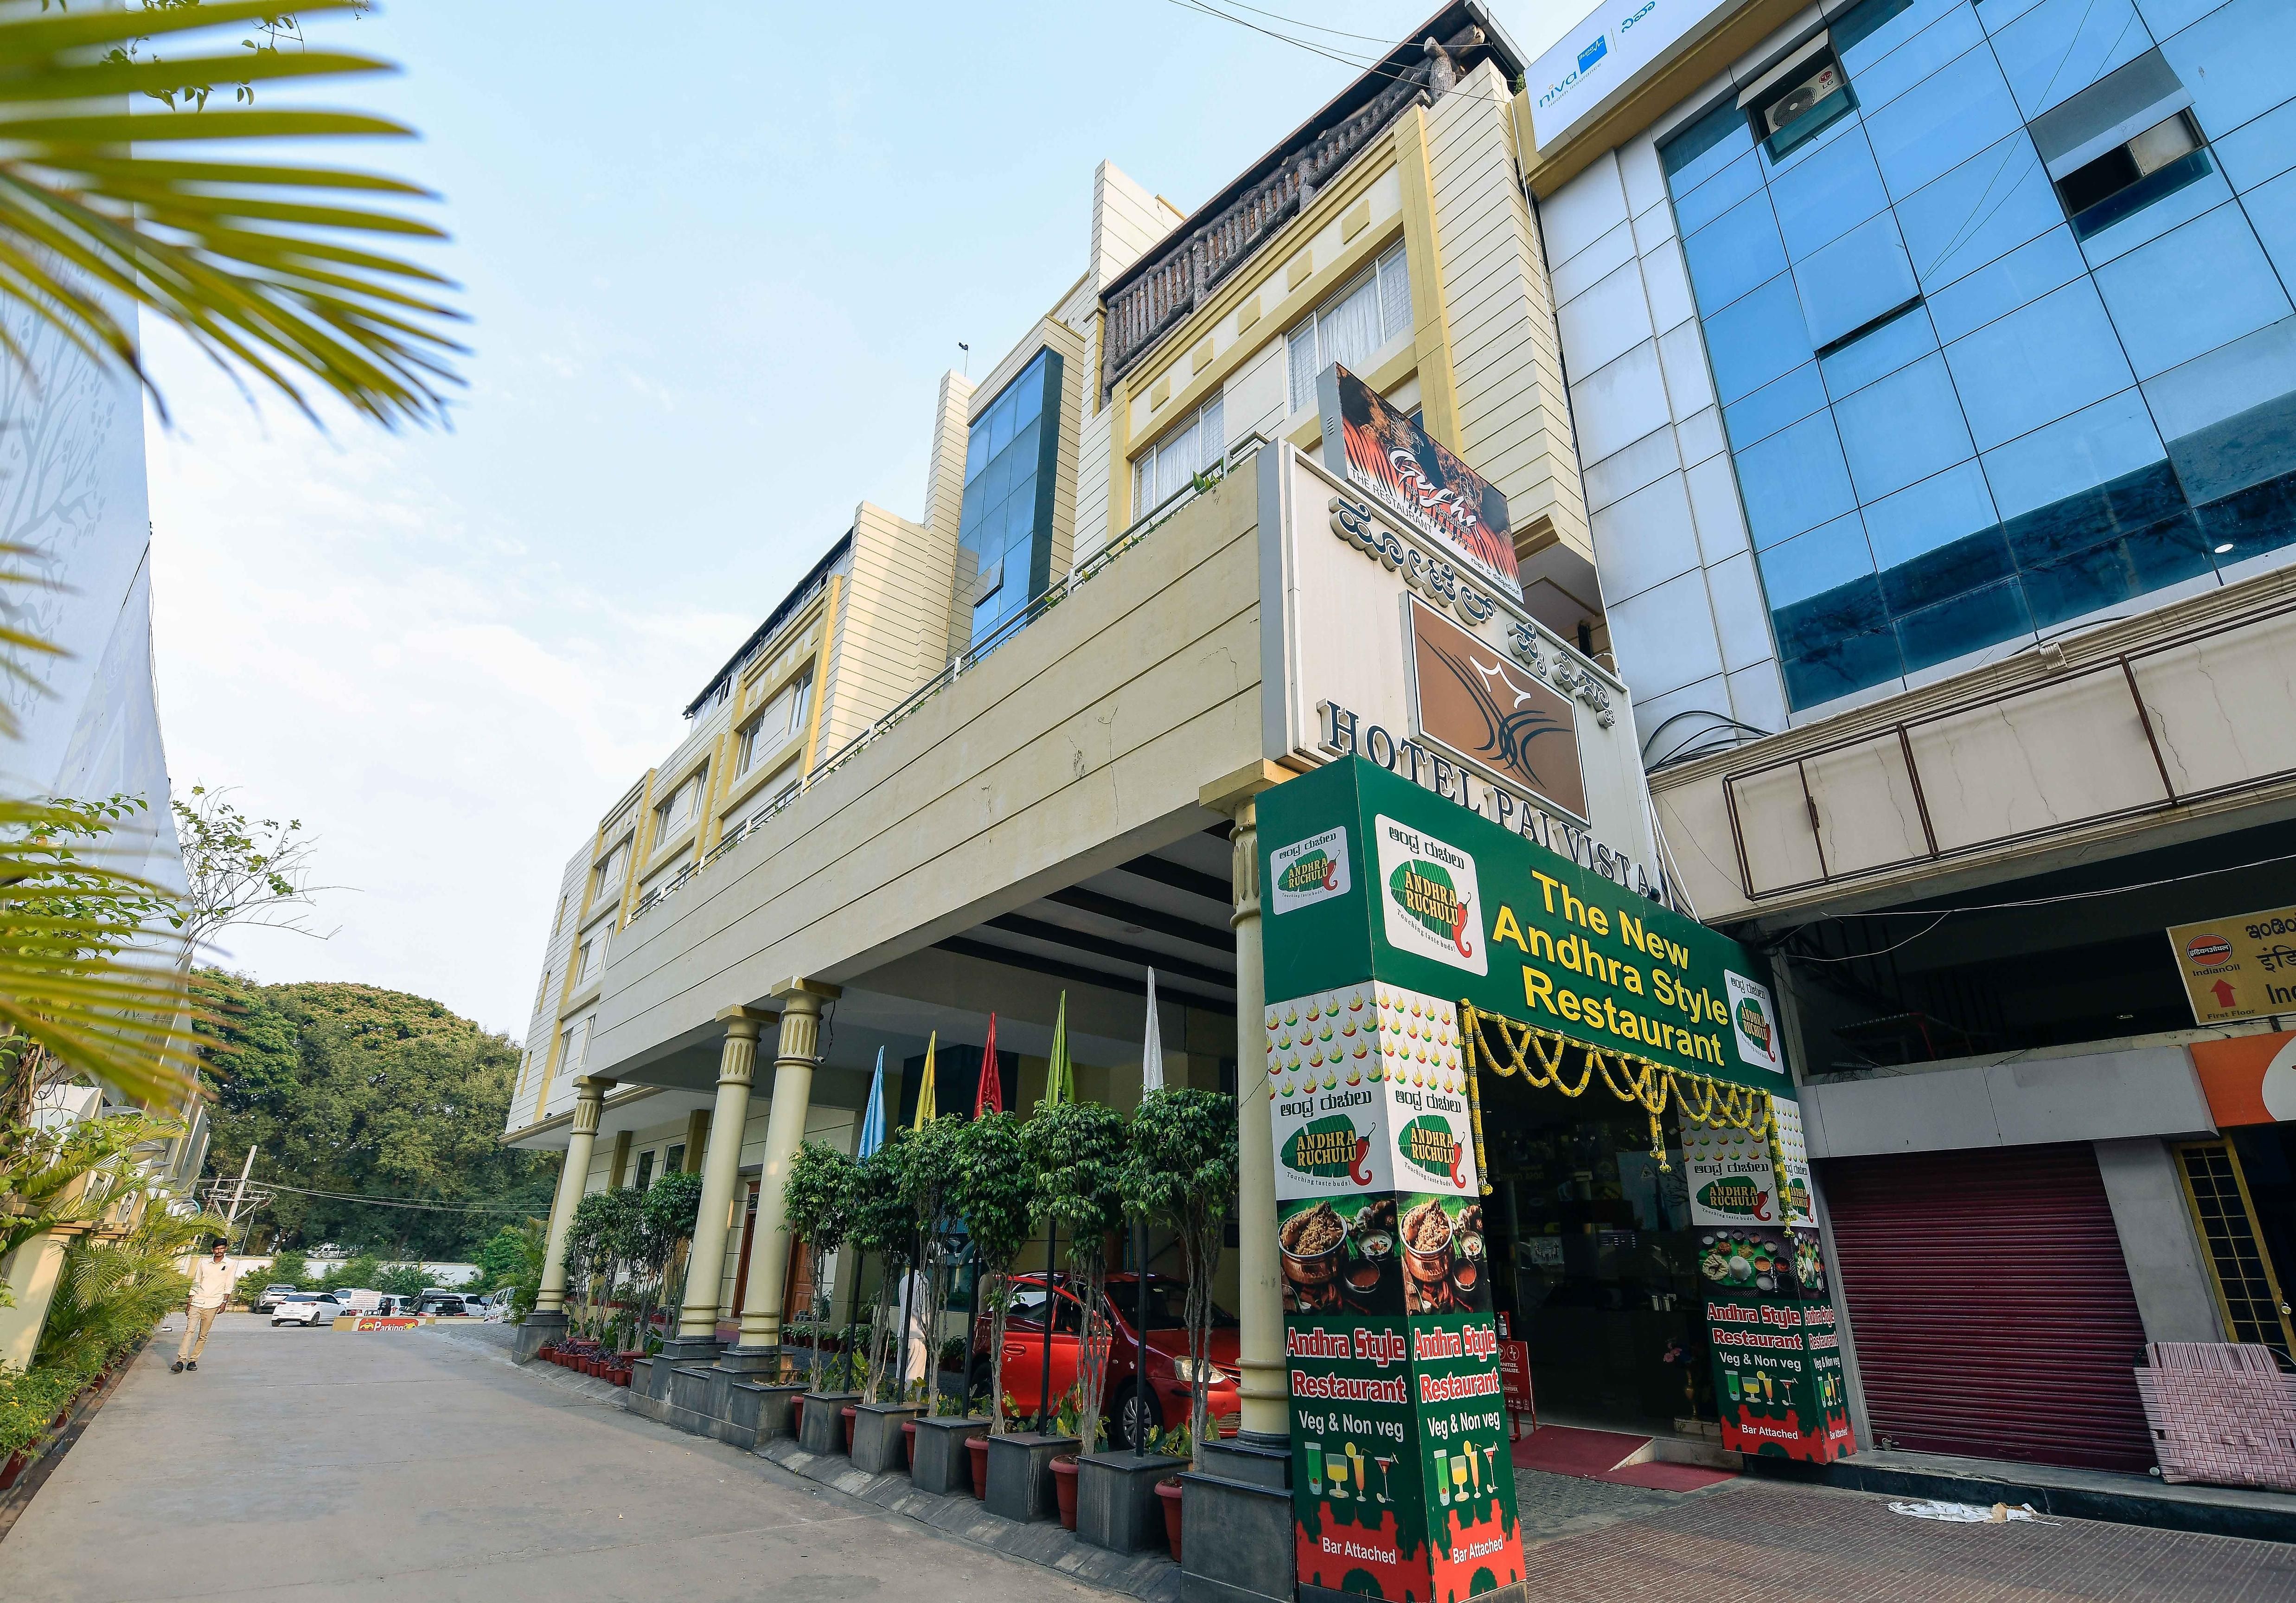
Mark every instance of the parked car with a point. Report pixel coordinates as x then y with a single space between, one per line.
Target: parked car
445 1304
1159 1404
271 1295
308 1308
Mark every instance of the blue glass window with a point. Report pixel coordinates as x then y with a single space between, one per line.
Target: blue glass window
1947 379
1005 530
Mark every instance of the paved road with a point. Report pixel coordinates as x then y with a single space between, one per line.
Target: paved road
299 1463
308 1463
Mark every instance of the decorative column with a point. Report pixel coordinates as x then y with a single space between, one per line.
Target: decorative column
705 1264
549 1315
1267 1383
796 1052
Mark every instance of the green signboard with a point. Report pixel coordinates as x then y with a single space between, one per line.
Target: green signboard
1388 907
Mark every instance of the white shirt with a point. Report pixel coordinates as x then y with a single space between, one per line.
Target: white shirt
211 1282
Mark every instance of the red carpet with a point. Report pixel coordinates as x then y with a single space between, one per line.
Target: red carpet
1666 1477
1567 1450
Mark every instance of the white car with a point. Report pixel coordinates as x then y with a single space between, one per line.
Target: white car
308 1308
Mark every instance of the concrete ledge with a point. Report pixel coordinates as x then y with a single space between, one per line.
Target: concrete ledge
880 1445
1152 1577
1020 1474
531 1333
1236 1542
1117 1506
822 1426
942 1463
2128 1499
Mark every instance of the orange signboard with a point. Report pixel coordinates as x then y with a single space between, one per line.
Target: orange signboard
2249 1078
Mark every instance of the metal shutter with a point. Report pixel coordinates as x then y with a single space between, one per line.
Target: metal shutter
1989 1305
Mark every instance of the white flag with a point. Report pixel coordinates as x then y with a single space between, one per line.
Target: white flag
1152 1051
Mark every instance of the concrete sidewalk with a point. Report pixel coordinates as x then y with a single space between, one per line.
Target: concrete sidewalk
319 1463
298 1463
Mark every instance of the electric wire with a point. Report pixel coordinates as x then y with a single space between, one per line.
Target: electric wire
395 1202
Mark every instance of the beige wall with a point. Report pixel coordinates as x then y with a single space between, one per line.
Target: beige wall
1085 739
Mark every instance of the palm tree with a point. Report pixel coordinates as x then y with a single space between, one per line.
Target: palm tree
273 270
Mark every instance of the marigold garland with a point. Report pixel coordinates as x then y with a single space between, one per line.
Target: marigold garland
1700 1098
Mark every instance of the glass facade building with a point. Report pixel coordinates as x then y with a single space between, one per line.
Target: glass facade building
1005 530
1995 297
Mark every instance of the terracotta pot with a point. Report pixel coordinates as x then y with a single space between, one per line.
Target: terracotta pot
977 1447
11 1469
1168 1491
797 1418
909 1442
1064 1479
851 1414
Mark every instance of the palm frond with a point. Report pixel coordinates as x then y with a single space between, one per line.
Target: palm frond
229 251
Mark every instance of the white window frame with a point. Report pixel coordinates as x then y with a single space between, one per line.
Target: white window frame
1309 346
1189 447
768 730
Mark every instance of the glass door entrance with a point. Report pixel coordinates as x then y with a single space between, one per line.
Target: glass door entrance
1597 1266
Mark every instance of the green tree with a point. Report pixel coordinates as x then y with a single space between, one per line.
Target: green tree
666 1220
818 1209
1076 1149
358 1091
885 1226
929 1169
996 1194
240 870
1180 1167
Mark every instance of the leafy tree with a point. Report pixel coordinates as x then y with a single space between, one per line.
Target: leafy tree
1076 1149
818 1209
997 1194
400 1280
603 1241
499 1258
884 1225
666 1220
930 1162
364 1092
1180 1166
240 870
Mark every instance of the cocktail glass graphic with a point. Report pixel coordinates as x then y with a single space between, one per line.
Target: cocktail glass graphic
1459 1477
1490 1464
1356 1461
1443 1476
1730 1379
1336 1467
1315 1463
1769 1392
1475 1470
1386 1461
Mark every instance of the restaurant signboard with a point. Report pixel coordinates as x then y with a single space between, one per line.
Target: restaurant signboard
1399 1402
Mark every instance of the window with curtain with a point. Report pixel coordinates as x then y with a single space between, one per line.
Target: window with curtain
1374 307
1188 448
779 721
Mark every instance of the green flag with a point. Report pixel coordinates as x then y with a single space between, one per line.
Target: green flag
1059 1079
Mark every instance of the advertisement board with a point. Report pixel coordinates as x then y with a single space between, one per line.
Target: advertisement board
1593 62
1384 1247
2240 967
1413 476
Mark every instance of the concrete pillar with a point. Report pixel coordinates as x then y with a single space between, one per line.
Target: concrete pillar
758 1346
619 1169
697 1140
705 1264
589 1094
1260 1296
2175 1297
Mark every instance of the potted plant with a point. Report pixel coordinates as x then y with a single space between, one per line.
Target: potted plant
1181 1169
817 1206
996 1194
1076 1150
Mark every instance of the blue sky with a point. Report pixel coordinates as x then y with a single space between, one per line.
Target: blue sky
716 263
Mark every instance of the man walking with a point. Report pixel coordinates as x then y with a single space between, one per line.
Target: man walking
210 1285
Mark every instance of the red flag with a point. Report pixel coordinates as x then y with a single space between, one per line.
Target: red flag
991 1099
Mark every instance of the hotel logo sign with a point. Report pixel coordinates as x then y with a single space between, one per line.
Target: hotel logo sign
1470 699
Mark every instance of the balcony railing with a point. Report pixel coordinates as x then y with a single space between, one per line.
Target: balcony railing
1188 267
1243 450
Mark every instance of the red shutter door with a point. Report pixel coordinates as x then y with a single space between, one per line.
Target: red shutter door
1989 1304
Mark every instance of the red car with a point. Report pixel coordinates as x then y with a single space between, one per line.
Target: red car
1163 1403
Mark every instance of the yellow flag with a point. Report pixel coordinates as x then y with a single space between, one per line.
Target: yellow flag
926 1110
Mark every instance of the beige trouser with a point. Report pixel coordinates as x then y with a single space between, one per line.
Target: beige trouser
195 1334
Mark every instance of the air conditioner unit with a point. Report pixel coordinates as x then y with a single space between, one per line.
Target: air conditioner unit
1802 97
